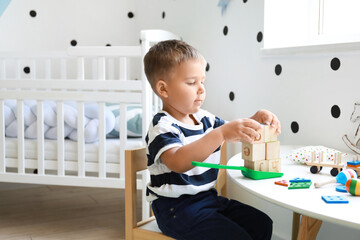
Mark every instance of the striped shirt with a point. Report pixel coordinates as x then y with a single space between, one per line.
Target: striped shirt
166 132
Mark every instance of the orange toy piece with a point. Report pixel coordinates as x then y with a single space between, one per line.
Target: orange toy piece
282 183
353 187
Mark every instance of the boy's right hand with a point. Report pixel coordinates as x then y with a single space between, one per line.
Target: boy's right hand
243 129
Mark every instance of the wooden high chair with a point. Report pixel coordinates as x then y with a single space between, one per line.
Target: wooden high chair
135 161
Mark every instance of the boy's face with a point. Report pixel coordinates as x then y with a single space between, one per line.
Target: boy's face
184 89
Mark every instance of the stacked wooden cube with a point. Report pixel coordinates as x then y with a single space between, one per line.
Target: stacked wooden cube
264 153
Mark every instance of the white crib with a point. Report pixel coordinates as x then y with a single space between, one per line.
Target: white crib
62 77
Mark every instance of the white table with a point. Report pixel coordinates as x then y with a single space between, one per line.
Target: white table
305 202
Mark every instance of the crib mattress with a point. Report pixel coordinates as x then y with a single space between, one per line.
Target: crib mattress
91 150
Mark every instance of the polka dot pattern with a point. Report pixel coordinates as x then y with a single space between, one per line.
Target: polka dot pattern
259 36
231 96
294 127
130 15
225 30
27 70
303 155
33 13
278 69
335 111
207 68
73 43
335 64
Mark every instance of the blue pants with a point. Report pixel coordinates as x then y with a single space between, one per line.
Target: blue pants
208 216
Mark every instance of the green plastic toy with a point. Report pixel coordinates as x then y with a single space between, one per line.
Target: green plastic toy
256 175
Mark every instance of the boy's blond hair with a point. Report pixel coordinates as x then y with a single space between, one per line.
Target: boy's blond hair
164 56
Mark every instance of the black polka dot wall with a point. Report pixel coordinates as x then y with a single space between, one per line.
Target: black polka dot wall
26 70
335 64
163 15
278 69
73 43
335 111
130 15
259 36
294 127
225 30
207 68
231 96
33 13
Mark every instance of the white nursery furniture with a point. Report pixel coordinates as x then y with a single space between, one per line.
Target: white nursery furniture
58 109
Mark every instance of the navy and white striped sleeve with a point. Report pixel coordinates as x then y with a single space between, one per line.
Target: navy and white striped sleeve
161 137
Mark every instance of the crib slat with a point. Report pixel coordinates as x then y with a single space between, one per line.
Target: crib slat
63 69
111 69
18 70
33 69
40 137
81 68
123 138
3 70
94 68
81 140
20 136
60 139
102 140
123 68
101 68
48 68
2 137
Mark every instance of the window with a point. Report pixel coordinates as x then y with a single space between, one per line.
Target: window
310 22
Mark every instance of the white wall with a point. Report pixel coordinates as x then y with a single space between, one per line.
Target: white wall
304 92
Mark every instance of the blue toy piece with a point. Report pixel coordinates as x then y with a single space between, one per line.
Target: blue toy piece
353 163
341 188
335 199
300 180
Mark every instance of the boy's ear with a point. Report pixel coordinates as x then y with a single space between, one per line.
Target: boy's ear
161 88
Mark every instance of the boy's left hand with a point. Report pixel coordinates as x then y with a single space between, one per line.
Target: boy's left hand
266 117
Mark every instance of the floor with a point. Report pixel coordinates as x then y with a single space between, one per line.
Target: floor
39 212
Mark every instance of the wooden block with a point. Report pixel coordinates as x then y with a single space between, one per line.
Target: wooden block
274 165
253 152
270 133
259 165
262 136
272 150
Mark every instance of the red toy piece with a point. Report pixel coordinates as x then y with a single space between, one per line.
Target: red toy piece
282 183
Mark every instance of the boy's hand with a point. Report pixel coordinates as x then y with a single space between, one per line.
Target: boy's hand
241 130
268 118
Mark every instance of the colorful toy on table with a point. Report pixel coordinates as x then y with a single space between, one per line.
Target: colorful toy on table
282 183
299 185
335 199
353 187
300 180
354 164
341 188
318 164
264 154
342 177
250 173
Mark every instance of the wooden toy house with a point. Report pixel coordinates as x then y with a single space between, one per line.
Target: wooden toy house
263 154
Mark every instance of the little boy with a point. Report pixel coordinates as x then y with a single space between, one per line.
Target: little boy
183 199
